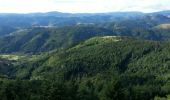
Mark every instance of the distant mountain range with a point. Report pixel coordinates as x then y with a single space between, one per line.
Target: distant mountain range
40 32
11 21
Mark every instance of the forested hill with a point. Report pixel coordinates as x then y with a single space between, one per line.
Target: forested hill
42 39
36 40
99 68
107 56
28 36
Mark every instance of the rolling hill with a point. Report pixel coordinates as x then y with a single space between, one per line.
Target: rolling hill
36 40
106 67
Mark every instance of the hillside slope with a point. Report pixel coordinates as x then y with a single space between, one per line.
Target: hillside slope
36 40
100 68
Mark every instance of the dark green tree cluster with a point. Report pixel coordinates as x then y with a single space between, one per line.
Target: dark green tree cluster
101 68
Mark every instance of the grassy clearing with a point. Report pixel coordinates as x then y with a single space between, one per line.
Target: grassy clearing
11 56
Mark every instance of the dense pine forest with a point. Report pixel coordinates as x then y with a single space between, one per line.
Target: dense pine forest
107 56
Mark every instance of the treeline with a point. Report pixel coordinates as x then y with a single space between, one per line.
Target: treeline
115 89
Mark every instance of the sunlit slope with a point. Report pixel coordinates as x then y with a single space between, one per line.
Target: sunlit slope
36 40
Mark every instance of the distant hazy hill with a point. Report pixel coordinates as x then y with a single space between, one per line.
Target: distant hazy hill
12 22
166 12
38 39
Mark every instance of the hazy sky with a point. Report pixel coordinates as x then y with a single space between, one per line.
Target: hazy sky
82 6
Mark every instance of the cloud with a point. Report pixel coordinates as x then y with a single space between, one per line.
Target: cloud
113 5
24 6
83 6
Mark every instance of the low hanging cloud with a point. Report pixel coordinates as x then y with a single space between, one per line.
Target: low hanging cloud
83 6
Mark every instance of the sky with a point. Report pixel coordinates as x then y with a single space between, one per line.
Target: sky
82 6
